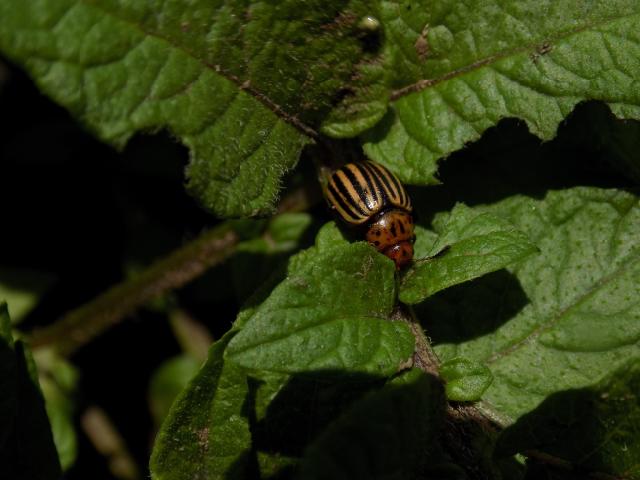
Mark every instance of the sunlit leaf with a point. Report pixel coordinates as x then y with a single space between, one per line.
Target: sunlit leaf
471 244
206 433
331 312
456 68
242 84
563 319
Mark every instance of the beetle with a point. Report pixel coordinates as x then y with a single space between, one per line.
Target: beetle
367 195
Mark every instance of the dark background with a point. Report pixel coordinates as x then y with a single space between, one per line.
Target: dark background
76 208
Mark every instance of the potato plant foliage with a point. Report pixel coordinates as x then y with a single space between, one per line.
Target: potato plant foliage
269 340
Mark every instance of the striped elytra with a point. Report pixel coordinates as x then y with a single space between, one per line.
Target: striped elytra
367 194
358 191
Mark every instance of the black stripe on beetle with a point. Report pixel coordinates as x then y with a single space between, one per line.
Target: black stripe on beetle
346 192
376 182
369 181
338 203
371 197
386 179
359 189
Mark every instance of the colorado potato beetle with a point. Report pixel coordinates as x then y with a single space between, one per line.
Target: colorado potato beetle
369 196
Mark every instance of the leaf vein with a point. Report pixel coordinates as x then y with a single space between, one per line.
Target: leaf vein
538 330
423 84
242 85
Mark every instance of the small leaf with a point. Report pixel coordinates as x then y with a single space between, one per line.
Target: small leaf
466 380
458 68
275 466
328 237
206 433
60 413
331 312
471 244
27 451
22 288
595 428
58 380
425 242
285 230
390 433
243 85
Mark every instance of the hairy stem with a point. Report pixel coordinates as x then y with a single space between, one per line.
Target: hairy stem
424 357
464 421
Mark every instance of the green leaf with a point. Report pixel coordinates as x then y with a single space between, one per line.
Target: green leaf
275 466
274 419
329 236
285 230
60 413
466 380
58 380
457 67
332 312
283 425
563 319
206 433
364 107
595 428
27 451
22 288
425 241
389 434
167 382
471 244
241 84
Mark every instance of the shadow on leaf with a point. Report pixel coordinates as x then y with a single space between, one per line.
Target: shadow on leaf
589 430
286 413
472 309
335 424
509 160
304 406
27 451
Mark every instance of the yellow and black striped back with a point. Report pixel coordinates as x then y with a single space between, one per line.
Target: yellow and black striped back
360 190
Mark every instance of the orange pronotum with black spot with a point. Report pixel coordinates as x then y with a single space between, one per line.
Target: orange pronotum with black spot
367 194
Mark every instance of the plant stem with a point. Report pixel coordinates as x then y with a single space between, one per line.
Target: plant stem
424 357
109 443
83 324
463 420
193 336
488 411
